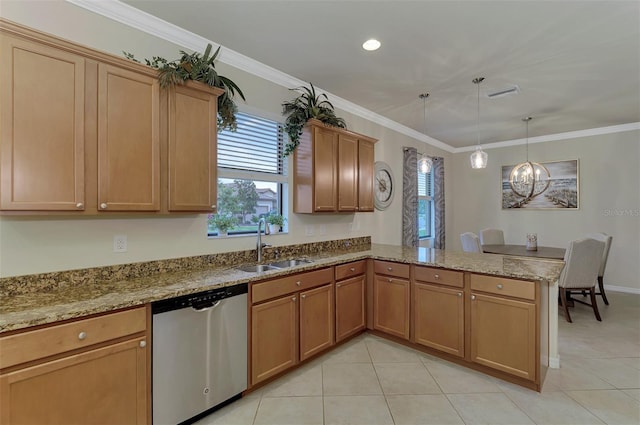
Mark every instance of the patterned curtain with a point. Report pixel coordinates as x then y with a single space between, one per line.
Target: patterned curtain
438 202
410 198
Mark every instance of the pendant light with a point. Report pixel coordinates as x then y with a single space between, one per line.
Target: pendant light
425 163
478 157
529 179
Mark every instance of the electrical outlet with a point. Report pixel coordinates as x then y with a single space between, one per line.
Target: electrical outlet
308 230
322 229
120 243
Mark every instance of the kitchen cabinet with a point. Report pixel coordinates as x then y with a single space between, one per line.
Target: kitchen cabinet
391 298
84 132
292 318
350 299
504 325
330 173
42 121
92 370
439 309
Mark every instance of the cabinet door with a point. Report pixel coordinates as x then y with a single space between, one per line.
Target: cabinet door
503 334
103 386
439 318
274 337
350 307
192 150
391 305
347 173
128 140
42 95
316 320
325 172
365 175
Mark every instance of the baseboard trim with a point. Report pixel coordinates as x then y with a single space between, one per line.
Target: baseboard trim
624 289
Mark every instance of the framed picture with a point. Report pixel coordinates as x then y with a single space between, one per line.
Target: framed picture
541 185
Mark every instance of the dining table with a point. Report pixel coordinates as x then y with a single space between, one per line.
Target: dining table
522 251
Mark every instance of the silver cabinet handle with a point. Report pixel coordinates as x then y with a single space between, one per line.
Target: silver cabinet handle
436 276
353 269
337 285
213 207
499 286
390 280
390 268
143 344
103 205
459 294
79 205
303 296
293 299
298 283
473 297
82 335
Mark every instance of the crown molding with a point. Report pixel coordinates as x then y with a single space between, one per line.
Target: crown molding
136 18
557 137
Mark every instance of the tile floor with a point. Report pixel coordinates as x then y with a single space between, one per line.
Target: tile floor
371 381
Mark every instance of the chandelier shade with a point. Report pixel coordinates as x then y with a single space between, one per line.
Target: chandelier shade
479 158
425 164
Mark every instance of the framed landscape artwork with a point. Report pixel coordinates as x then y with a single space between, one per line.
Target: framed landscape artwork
545 185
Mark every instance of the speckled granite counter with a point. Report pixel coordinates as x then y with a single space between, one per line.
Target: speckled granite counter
54 301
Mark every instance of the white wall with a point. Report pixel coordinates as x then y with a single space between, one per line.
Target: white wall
41 244
609 199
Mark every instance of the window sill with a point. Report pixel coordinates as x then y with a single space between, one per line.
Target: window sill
245 235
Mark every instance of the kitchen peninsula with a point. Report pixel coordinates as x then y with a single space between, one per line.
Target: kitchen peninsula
497 309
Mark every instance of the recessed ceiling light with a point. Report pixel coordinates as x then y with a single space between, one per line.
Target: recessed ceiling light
371 44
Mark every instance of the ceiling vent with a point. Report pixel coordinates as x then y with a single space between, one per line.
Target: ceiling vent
504 92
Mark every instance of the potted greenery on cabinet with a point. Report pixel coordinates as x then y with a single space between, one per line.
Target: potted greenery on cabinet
201 68
304 107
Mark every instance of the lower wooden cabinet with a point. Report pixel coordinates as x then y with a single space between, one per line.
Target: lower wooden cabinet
503 334
439 318
350 307
98 382
274 337
316 321
391 305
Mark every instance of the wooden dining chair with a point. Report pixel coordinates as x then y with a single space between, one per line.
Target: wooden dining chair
491 237
580 273
470 242
602 237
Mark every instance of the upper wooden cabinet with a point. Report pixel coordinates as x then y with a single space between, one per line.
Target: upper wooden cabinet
42 139
92 133
333 170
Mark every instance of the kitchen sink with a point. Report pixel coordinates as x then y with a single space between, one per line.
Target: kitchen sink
290 263
257 268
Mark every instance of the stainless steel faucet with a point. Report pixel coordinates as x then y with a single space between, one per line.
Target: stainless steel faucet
259 244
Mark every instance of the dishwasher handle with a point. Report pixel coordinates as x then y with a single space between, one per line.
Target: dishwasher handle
200 308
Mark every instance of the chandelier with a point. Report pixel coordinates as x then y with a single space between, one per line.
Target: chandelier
425 163
529 179
479 157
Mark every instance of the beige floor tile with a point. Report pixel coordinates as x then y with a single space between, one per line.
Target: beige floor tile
635 394
241 412
611 406
406 378
614 372
290 411
351 352
306 381
388 352
551 407
422 409
630 361
490 409
350 379
453 378
571 376
356 410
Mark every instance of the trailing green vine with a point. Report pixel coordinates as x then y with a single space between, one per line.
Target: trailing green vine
301 109
197 67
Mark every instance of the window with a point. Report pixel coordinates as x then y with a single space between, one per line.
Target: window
251 175
425 205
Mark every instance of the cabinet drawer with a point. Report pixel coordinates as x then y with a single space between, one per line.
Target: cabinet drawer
33 345
348 270
440 276
502 286
391 269
288 284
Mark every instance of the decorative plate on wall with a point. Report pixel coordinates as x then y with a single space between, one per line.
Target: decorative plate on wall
383 186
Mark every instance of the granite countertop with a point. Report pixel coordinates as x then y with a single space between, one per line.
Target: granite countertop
21 310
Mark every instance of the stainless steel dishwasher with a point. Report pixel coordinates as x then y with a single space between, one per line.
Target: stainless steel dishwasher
199 353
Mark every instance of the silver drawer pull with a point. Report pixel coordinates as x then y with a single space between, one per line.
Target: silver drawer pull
303 296
337 285
103 206
293 299
473 297
353 269
390 268
213 207
390 280
436 276
143 344
82 335
298 283
79 205
459 294
499 286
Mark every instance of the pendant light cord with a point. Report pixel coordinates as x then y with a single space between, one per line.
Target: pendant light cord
478 122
